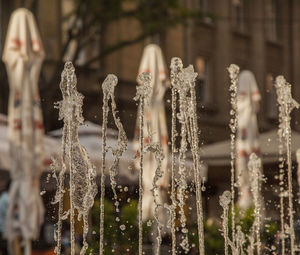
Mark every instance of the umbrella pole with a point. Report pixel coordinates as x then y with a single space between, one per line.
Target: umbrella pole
14 246
27 247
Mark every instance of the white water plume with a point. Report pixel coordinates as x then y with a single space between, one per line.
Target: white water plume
285 106
182 179
108 87
256 178
156 149
225 200
298 173
143 91
176 68
83 188
233 74
183 86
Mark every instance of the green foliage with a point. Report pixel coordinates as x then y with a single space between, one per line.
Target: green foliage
269 233
214 241
243 218
126 241
121 241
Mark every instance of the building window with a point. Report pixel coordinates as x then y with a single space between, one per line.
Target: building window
202 68
239 10
272 110
272 15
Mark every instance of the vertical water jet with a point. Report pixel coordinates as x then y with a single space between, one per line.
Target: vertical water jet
176 68
108 87
183 86
285 106
189 77
157 150
256 178
142 95
82 184
225 200
233 73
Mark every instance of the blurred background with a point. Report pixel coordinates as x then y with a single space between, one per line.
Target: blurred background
103 37
108 36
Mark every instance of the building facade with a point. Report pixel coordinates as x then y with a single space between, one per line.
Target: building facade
260 35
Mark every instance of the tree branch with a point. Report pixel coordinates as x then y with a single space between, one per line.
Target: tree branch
117 46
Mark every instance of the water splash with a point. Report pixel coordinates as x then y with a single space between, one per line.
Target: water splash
251 240
108 87
281 184
189 77
83 188
285 106
233 73
182 179
298 173
176 68
196 155
237 248
225 200
156 149
82 174
142 95
58 199
256 178
183 84
240 241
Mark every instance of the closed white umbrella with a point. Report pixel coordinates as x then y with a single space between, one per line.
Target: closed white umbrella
51 147
248 98
23 55
155 122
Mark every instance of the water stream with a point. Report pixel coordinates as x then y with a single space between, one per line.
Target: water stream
82 186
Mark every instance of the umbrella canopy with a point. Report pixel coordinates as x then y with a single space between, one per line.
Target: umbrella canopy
90 137
248 98
155 118
218 154
23 55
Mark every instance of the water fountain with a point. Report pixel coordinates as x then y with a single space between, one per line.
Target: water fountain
285 106
108 88
225 200
82 187
74 159
183 83
142 95
256 179
233 73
